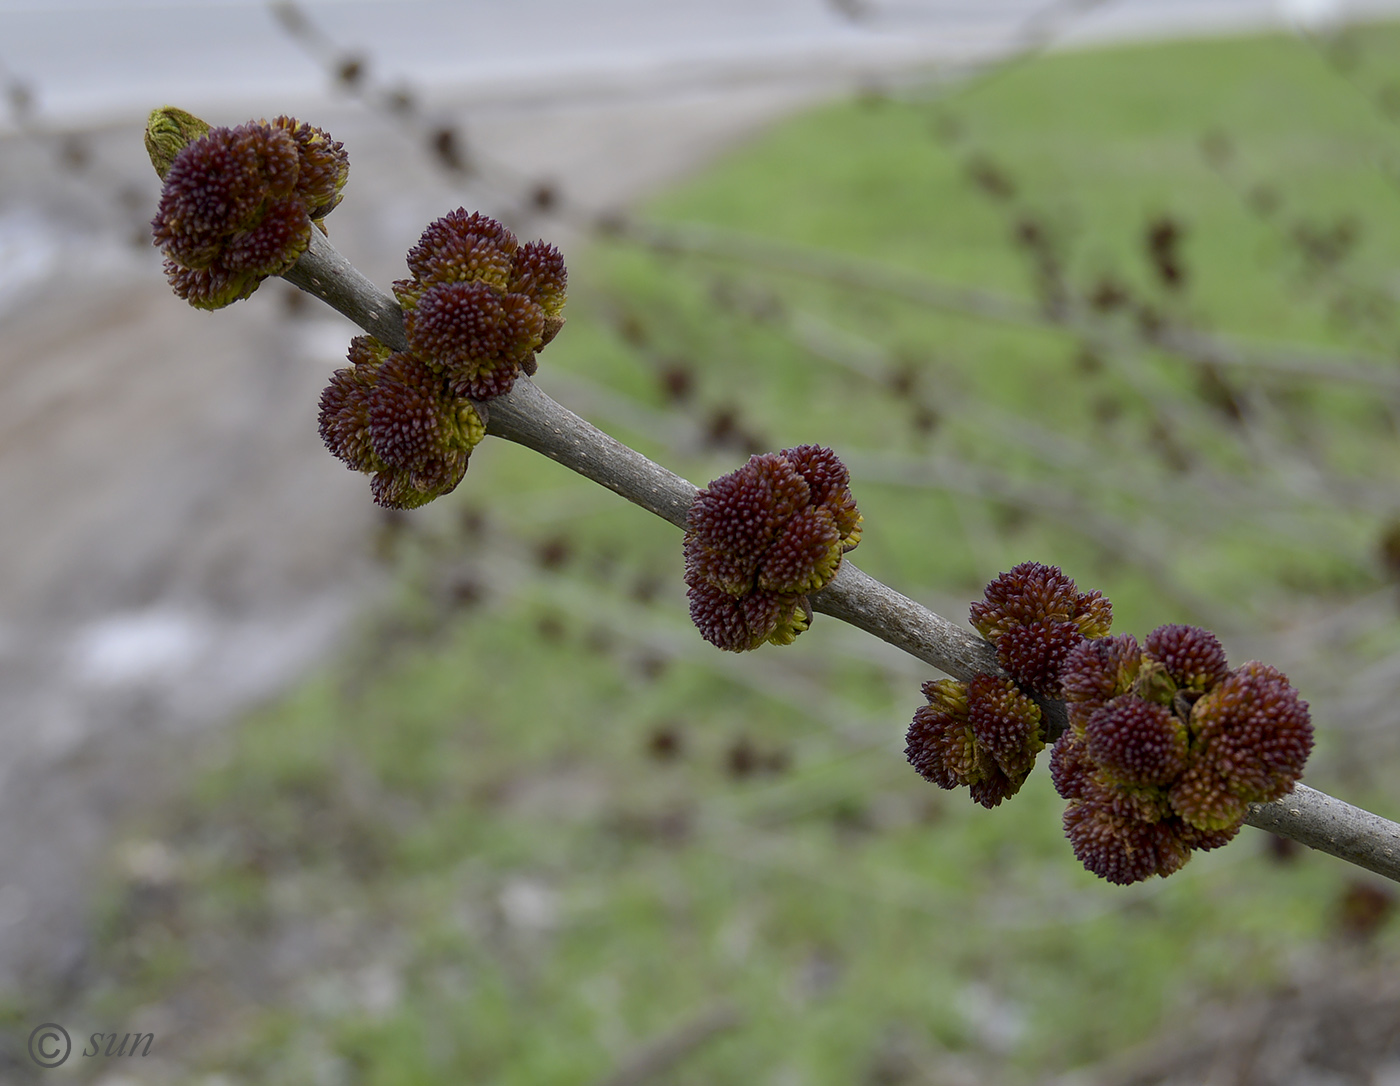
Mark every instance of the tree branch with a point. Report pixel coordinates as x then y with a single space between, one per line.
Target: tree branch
528 417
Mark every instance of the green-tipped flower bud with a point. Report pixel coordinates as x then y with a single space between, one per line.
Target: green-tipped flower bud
761 539
390 415
1096 671
1250 738
741 623
1193 657
238 204
464 247
1035 616
322 167
538 272
1124 850
480 305
1034 592
982 735
1006 723
1167 748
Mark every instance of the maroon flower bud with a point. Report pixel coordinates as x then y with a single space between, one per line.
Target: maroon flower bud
391 415
1202 797
1032 592
480 305
1123 850
1070 768
323 167
538 272
1035 653
829 483
1192 656
982 735
1005 723
1077 776
1250 738
1035 616
1136 743
941 746
741 623
1096 671
344 418
238 204
463 247
765 533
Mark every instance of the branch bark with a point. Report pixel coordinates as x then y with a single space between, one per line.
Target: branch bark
528 417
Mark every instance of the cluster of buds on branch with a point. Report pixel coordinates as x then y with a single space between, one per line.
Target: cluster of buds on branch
478 307
238 203
761 539
1159 749
1166 746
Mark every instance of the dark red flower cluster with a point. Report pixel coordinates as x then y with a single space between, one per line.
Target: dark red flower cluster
480 304
1167 746
239 203
982 735
389 414
985 735
478 308
759 540
1035 615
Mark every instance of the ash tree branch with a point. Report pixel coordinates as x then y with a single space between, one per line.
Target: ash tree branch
528 417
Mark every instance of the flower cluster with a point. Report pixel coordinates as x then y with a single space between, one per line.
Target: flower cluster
981 735
984 735
480 304
1167 746
239 203
1035 615
759 540
477 309
389 414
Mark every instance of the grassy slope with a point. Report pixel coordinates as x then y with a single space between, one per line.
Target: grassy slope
465 864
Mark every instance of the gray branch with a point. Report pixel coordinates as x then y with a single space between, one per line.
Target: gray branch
528 417
1317 820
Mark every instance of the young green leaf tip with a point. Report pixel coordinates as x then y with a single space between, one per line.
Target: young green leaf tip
1166 745
238 204
759 540
477 309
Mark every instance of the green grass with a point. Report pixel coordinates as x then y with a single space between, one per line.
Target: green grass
459 856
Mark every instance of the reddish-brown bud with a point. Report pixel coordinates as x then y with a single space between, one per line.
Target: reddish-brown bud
765 532
983 735
1035 616
1193 657
464 246
391 415
1136 743
1123 850
238 204
1032 592
1250 738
